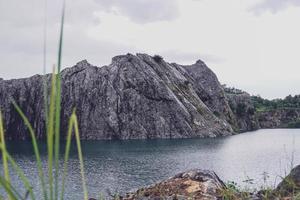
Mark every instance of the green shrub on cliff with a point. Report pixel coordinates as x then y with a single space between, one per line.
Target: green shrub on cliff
264 104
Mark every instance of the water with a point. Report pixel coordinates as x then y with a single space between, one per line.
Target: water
121 166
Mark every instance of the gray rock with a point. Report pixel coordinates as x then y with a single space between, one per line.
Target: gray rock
278 118
287 189
209 90
290 184
135 97
139 97
249 119
244 111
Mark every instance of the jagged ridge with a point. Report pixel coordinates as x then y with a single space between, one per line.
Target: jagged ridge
135 97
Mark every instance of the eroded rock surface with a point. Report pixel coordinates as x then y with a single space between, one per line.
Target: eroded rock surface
139 97
135 97
279 118
194 184
244 111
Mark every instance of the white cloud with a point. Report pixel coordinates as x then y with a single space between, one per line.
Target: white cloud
258 53
185 57
273 5
142 11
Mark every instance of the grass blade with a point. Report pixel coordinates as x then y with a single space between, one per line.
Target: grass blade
61 37
50 132
73 124
77 136
10 190
67 152
45 88
19 172
4 158
58 102
35 148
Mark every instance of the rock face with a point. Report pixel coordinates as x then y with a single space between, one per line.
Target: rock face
194 184
208 88
244 111
28 93
135 97
279 118
249 119
138 97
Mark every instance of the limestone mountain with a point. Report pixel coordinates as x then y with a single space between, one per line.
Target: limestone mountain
135 97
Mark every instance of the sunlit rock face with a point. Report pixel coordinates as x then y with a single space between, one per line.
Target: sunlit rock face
138 97
135 97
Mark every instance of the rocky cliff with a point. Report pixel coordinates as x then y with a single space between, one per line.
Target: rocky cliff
279 118
249 117
244 111
135 97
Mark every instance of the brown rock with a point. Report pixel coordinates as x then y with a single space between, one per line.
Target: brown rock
194 184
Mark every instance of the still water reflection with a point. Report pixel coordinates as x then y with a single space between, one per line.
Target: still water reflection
121 166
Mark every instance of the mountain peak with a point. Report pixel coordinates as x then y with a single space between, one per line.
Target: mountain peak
83 63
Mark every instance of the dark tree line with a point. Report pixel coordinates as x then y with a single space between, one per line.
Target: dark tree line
265 104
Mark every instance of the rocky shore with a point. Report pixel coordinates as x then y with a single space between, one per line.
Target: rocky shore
206 185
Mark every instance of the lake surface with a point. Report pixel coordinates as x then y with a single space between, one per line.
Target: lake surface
121 166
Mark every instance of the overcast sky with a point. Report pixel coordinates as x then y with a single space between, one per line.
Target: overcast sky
250 44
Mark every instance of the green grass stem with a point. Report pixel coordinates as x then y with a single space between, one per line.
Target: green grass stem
4 158
58 102
12 193
52 122
19 172
77 136
50 133
35 149
73 125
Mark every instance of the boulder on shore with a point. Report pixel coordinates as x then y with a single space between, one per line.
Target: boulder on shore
194 184
206 185
290 185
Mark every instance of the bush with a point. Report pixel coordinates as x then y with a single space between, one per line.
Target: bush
157 58
261 104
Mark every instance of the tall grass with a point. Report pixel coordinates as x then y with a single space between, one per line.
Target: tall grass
49 185
4 157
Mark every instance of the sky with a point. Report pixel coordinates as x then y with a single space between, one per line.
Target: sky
253 45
